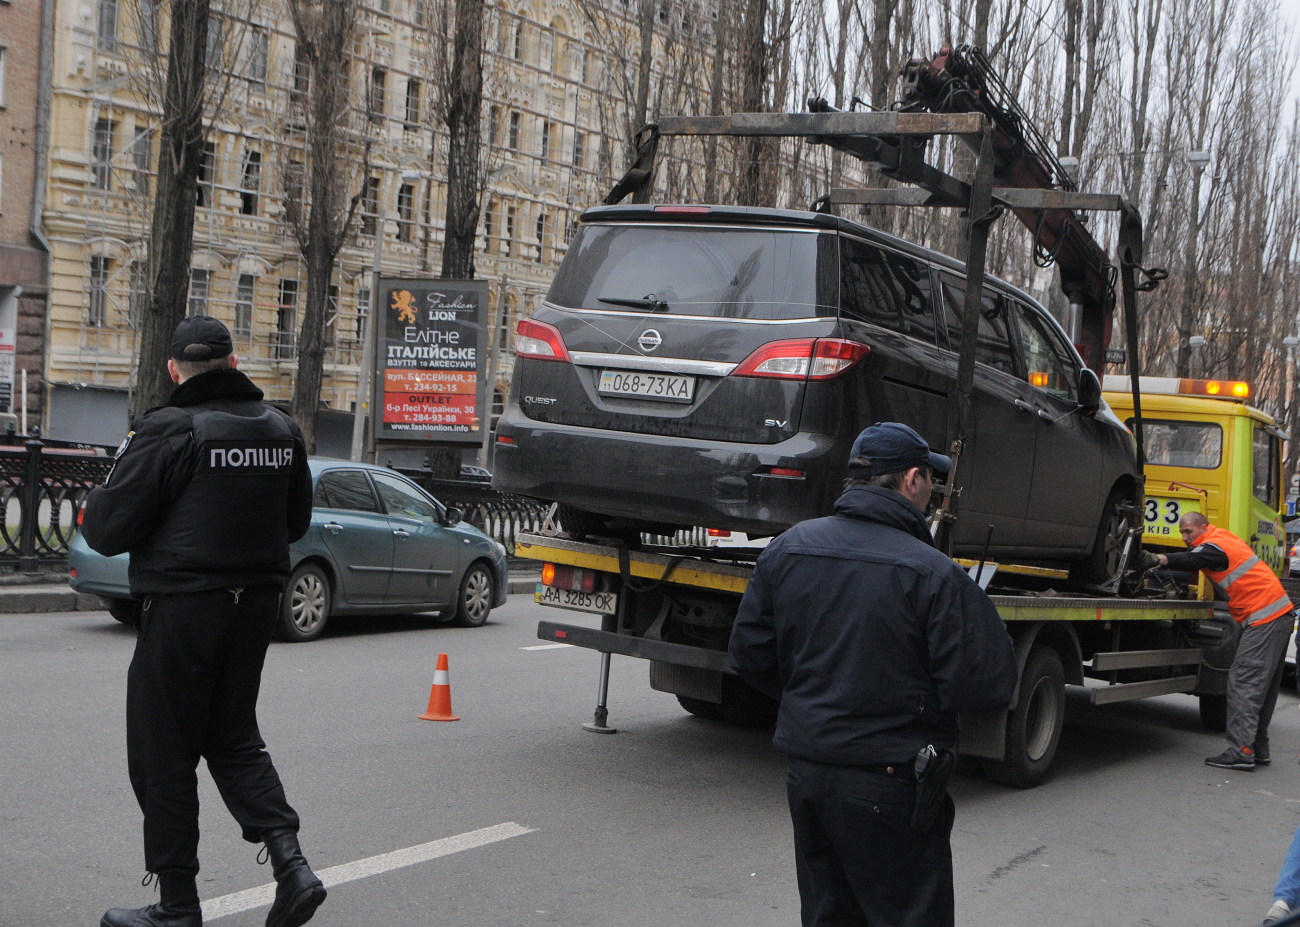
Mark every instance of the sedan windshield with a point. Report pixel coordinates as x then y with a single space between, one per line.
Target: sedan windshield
744 273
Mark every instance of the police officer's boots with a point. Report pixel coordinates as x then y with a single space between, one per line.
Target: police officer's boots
178 906
298 893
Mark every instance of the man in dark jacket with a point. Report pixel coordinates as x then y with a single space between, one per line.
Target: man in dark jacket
206 495
873 641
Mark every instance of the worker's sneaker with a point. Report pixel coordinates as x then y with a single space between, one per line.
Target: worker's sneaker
1279 910
1231 759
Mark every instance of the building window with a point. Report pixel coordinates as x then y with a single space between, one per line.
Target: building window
106 36
293 176
489 220
244 290
331 314
199 281
98 313
370 206
494 125
519 42
510 230
541 235
216 50
301 77
406 212
141 159
512 140
149 27
546 139
258 51
375 93
420 12
139 296
101 161
584 66
4 59
207 173
579 148
250 182
363 312
413 89
286 317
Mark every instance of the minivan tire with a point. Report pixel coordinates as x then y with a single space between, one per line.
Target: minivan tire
1103 561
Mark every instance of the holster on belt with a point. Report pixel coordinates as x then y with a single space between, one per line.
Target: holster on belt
933 766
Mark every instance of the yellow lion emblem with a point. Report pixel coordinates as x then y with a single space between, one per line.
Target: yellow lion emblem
404 306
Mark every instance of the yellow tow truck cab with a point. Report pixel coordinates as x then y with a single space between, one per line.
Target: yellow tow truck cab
1207 450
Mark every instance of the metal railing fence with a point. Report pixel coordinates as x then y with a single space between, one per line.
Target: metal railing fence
42 487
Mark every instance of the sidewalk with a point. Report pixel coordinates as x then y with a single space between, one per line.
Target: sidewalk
32 593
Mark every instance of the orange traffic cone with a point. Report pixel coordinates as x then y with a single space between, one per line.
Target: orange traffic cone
440 694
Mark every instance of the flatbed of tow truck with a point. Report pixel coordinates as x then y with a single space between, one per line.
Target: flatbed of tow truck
673 607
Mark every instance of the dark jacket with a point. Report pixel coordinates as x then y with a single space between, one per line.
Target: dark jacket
872 639
206 493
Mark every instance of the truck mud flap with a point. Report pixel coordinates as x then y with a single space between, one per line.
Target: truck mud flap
610 642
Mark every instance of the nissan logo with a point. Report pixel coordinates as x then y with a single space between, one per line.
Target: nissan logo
649 340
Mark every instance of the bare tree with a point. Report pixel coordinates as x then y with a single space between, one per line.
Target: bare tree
461 111
325 30
171 236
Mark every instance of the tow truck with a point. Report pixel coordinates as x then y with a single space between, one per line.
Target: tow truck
674 606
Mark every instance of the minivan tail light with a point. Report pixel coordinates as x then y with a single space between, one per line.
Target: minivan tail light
803 358
539 341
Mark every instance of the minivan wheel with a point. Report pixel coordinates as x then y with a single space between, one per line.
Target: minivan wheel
1108 545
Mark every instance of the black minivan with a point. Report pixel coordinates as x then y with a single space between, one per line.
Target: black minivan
710 366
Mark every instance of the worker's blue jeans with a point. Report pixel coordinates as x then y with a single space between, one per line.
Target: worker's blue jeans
1288 880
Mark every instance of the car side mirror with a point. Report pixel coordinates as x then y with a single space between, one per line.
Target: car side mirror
1089 391
453 516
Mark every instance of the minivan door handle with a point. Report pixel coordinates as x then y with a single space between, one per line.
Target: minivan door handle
400 533
1024 406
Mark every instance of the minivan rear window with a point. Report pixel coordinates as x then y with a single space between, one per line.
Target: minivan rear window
728 272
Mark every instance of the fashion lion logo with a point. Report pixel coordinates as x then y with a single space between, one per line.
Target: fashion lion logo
404 306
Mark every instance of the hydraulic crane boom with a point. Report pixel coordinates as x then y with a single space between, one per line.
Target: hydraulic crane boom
961 80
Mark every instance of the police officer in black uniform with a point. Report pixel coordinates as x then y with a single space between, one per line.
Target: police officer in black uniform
206 495
873 641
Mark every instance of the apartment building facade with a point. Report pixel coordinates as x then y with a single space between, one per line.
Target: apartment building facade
23 254
554 145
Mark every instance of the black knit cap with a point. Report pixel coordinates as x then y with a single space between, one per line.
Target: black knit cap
199 338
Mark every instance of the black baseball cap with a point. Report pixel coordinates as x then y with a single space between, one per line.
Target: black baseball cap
893 447
199 338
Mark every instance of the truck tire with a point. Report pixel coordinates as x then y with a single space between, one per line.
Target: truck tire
711 711
1034 725
1214 711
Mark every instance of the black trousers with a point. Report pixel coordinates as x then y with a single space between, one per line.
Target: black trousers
191 692
858 860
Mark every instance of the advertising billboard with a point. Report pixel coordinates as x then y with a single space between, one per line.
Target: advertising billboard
430 360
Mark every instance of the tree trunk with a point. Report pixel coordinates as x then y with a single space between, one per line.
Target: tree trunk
171 234
325 38
464 177
751 189
465 98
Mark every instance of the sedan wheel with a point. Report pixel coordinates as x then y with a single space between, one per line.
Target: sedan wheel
475 600
305 606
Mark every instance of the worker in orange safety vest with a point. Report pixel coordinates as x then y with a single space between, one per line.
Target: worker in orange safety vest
1261 607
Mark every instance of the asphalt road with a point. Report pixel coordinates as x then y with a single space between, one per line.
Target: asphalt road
516 816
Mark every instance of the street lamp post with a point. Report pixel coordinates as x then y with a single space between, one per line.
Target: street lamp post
1198 161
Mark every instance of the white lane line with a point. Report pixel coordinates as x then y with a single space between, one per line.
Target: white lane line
263 895
546 647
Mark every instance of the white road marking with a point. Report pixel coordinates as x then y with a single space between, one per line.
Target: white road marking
263 895
546 647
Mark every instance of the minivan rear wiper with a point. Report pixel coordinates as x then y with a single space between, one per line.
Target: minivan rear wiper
653 303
